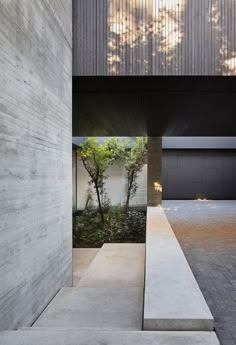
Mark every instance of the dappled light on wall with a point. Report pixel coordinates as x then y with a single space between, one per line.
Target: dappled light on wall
230 65
167 25
142 29
155 37
158 186
224 56
128 35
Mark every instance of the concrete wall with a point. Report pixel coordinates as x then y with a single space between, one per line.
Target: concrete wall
154 37
35 155
115 186
191 174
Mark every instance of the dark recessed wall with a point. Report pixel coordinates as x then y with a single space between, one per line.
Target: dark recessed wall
154 106
189 174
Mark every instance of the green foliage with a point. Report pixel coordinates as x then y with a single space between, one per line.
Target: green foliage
134 159
110 224
97 158
118 227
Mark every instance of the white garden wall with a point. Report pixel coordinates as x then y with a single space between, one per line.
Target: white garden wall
115 185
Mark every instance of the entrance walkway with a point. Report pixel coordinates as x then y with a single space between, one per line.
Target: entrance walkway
104 307
206 231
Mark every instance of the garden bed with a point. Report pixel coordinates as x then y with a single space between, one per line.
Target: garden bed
118 227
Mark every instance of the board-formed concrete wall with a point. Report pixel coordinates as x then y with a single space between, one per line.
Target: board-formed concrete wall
35 156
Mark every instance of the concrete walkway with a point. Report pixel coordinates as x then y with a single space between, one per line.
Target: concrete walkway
82 258
105 307
117 265
206 231
94 309
107 292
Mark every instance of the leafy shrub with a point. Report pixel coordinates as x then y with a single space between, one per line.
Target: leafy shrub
118 227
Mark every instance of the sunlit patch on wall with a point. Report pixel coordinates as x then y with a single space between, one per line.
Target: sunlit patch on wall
230 66
168 26
159 21
158 186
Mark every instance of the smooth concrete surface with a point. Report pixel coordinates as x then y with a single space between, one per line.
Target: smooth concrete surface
69 337
90 308
82 258
116 265
35 156
173 300
206 231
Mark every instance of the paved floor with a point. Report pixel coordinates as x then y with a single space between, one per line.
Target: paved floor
94 309
118 265
82 258
206 231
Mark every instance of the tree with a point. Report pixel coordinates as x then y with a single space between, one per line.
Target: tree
97 158
134 159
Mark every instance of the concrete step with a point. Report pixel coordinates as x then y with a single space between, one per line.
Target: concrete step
73 337
82 258
116 265
95 308
173 300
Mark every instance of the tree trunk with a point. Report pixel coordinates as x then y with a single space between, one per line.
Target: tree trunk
130 184
99 203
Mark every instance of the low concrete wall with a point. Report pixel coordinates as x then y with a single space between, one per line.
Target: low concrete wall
172 298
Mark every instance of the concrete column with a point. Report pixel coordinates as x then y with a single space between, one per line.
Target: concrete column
154 197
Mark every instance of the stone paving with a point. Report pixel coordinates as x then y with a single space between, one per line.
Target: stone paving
206 231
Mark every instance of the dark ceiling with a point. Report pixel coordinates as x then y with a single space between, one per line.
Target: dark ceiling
154 106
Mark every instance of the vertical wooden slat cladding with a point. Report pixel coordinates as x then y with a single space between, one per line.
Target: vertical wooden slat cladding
154 37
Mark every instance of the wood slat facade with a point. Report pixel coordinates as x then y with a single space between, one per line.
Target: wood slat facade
154 37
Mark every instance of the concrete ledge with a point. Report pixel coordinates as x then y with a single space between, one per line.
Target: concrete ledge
172 299
73 337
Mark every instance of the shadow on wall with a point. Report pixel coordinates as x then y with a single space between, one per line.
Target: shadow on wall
115 186
157 37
